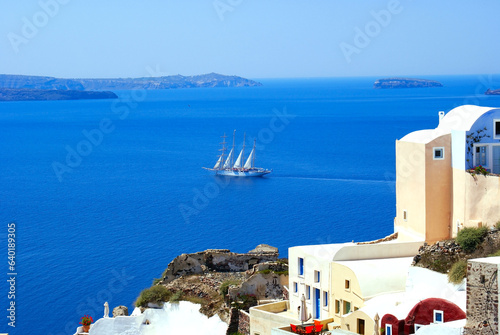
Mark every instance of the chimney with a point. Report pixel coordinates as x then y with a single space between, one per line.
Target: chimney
441 116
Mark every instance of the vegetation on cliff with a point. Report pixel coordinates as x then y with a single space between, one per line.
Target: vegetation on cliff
451 256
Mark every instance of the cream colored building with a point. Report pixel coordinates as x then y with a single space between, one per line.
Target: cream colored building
435 193
337 279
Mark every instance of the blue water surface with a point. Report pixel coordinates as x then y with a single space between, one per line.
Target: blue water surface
104 226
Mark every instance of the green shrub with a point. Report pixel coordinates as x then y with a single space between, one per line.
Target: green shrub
156 281
224 288
496 254
265 272
176 296
469 238
155 294
497 225
458 272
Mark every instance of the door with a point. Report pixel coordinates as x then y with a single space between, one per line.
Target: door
496 159
317 304
361 326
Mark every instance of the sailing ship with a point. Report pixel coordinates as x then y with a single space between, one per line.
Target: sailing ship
229 167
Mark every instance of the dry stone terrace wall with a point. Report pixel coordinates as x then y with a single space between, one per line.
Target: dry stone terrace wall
482 298
218 260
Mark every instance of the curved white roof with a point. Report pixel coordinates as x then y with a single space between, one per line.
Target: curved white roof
379 276
459 118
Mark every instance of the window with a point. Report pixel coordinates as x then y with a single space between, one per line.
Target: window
405 215
438 153
480 156
308 292
417 326
295 287
317 276
337 307
388 329
496 129
301 266
347 284
325 299
438 316
347 307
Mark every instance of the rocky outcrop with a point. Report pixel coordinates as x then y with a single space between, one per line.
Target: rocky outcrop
218 260
147 83
492 92
120 311
405 83
442 255
24 94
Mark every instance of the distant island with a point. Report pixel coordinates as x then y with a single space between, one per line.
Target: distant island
146 83
405 83
492 92
27 94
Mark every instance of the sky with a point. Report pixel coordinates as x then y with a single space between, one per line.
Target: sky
249 38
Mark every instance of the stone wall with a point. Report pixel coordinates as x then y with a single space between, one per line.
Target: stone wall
244 323
482 297
219 260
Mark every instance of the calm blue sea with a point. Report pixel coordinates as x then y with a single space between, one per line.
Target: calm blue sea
113 219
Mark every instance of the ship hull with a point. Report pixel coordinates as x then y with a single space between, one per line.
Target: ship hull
242 173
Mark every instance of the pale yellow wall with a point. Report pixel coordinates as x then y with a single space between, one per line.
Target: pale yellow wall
350 322
340 274
477 201
438 191
410 190
266 317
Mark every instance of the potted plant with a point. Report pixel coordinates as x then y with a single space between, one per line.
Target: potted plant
85 322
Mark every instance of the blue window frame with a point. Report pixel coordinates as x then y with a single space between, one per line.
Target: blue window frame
301 266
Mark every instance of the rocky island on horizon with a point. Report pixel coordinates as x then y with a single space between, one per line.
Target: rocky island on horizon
28 88
398 82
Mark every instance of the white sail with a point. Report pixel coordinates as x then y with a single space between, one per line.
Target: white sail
248 163
239 159
218 164
227 164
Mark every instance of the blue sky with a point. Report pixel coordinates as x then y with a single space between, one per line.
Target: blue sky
250 38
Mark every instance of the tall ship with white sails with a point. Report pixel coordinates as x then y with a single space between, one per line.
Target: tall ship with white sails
229 167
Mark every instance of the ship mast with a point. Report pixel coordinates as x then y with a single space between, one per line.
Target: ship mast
243 150
223 149
232 156
253 150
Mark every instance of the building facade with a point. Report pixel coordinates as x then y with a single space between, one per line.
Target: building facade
436 193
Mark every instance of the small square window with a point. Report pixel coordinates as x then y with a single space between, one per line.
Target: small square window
496 125
438 153
295 287
325 299
308 292
388 329
438 316
405 215
417 326
337 307
481 155
347 284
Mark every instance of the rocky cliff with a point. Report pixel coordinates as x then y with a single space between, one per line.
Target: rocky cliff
24 94
405 83
224 282
147 83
